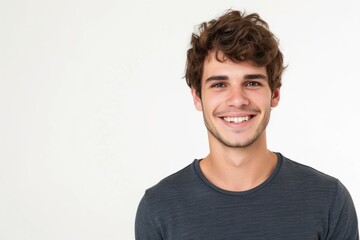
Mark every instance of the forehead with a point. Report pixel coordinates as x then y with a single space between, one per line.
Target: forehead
212 66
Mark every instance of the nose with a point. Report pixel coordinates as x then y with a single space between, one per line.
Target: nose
237 97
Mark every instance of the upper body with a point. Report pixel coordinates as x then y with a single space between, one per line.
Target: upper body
234 68
295 202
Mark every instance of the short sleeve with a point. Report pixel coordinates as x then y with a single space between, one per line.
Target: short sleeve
343 220
144 223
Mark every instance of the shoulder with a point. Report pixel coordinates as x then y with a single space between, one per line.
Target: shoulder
322 194
172 186
295 171
306 182
157 203
312 184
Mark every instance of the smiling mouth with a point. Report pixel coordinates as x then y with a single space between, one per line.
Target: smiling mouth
237 119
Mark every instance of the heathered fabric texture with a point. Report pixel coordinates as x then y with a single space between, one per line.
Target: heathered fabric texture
296 202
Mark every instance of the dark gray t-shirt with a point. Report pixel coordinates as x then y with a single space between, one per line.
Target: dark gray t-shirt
296 202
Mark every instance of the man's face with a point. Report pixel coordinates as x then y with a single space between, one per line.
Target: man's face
236 101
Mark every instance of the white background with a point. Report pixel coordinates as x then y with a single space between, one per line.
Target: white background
94 109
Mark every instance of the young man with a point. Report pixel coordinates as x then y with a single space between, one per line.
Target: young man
242 190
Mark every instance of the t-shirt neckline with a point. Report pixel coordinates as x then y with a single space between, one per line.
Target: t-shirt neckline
196 166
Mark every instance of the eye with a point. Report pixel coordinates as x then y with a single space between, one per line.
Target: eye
218 85
253 84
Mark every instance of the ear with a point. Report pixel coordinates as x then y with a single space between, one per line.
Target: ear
197 100
275 97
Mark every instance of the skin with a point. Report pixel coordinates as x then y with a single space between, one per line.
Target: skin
239 159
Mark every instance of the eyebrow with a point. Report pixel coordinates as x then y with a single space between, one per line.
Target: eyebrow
246 77
216 78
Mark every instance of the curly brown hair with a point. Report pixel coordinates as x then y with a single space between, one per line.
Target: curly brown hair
239 37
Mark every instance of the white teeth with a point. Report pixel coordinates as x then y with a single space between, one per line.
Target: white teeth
236 119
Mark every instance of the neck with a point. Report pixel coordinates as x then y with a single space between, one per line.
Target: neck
238 169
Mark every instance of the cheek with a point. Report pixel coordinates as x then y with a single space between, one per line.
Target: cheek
267 99
209 97
261 98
